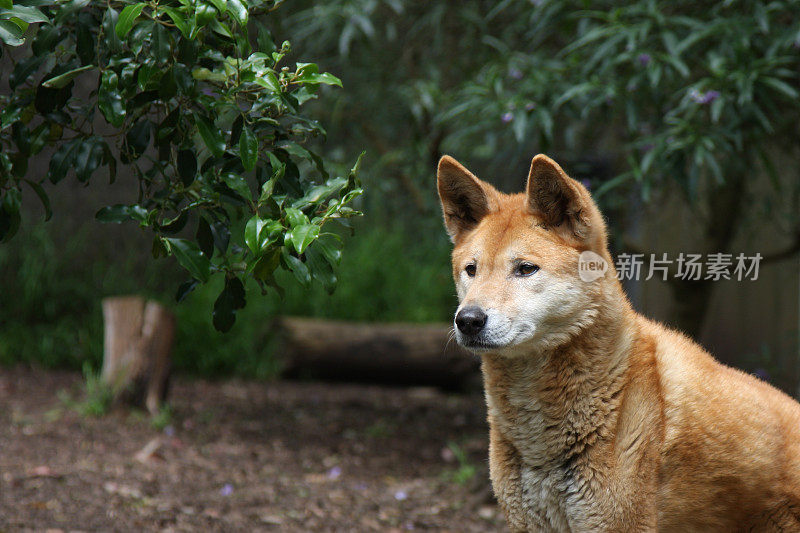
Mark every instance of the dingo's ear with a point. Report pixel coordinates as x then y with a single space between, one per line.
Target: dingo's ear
465 199
562 203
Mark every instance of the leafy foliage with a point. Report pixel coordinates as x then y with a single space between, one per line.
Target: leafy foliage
668 93
196 102
692 93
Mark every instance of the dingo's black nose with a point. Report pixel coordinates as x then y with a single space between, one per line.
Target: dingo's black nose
470 320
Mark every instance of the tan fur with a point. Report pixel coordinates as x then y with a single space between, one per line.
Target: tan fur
600 419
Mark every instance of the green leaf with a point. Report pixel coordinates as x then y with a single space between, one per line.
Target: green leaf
46 40
31 15
222 236
160 46
174 225
251 232
9 214
12 200
57 82
185 288
220 5
782 87
112 41
238 183
63 160
138 137
266 190
297 267
716 109
204 13
23 70
128 18
40 192
178 19
10 33
109 99
321 270
238 11
265 267
325 78
295 217
302 236
248 149
270 81
229 301
190 257
352 177
204 237
187 166
68 11
210 135
85 43
320 192
221 29
331 250
88 158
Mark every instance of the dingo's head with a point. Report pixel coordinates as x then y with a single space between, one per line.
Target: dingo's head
531 269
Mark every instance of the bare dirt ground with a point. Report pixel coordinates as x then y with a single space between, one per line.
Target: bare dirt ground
244 456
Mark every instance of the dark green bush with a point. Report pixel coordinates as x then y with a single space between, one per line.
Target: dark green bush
198 103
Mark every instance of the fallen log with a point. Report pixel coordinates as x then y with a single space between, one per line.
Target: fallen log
136 355
403 354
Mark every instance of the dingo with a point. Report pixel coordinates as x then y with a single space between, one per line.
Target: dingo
600 419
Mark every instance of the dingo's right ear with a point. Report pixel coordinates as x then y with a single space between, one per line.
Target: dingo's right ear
465 199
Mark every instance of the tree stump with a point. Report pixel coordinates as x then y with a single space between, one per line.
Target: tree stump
401 354
139 336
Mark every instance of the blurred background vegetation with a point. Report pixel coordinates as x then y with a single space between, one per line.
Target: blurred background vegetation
682 117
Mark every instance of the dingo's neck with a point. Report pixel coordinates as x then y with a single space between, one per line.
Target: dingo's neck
555 405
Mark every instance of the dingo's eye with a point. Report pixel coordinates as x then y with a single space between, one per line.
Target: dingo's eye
470 269
526 269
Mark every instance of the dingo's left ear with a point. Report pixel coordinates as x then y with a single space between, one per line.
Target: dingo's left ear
465 199
563 204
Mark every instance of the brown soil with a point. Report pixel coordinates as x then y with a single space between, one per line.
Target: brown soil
244 456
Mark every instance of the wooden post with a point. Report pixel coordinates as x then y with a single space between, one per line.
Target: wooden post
138 342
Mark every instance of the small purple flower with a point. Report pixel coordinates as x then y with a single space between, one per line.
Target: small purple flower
226 489
400 495
507 117
169 431
644 59
334 472
703 98
530 106
515 73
